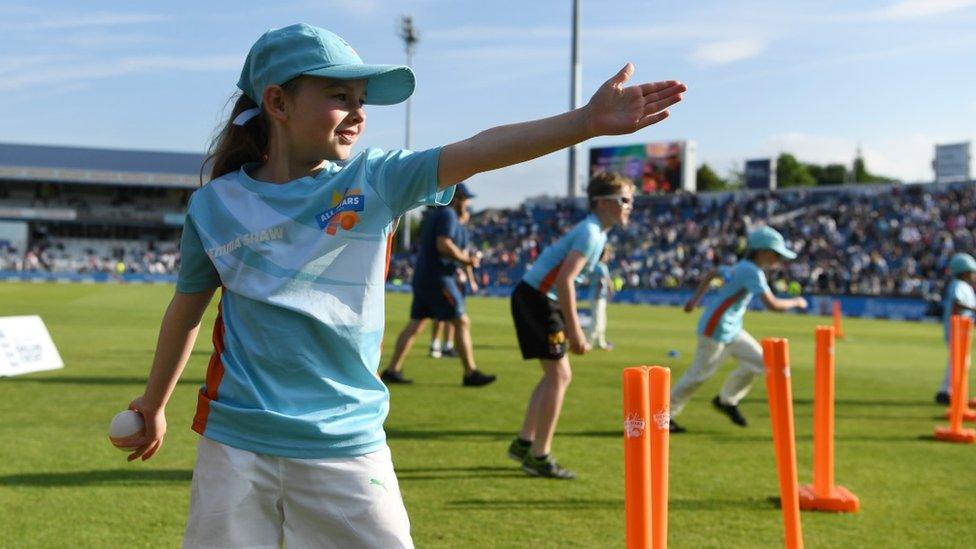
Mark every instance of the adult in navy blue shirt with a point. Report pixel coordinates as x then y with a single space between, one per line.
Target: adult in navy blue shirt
442 251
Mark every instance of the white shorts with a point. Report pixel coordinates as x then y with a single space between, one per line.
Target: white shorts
243 499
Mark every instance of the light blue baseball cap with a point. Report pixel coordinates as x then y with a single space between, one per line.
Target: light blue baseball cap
282 54
962 263
768 238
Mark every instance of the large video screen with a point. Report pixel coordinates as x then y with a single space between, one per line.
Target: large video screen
654 167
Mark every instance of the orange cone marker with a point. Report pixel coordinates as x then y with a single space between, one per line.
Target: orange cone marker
647 397
960 342
776 357
823 495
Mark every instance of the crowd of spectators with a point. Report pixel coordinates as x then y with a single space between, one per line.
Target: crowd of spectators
89 256
886 240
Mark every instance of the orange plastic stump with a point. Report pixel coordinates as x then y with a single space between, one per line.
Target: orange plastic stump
968 414
948 434
823 494
960 345
840 500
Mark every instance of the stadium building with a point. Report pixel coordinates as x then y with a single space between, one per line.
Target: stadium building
92 213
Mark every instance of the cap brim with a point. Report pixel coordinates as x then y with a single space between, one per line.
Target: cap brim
385 84
784 252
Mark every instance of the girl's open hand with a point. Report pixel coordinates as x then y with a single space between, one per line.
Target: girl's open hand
615 109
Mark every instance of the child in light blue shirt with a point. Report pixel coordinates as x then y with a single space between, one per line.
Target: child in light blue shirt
295 231
720 331
960 299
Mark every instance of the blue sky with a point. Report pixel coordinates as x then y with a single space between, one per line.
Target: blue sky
817 79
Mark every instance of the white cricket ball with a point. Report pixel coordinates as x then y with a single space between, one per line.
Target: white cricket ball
126 424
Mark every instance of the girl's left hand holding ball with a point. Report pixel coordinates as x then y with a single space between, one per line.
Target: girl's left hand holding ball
138 430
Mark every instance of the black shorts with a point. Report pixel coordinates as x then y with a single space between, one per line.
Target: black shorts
539 324
440 299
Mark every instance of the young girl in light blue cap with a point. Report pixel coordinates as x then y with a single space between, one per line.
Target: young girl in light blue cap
960 299
294 230
720 331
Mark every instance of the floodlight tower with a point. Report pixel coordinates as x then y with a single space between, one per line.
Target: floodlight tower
410 36
574 96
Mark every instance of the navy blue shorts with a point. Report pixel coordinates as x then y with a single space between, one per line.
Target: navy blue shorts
440 299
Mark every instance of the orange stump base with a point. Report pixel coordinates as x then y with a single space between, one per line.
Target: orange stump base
947 434
839 501
968 415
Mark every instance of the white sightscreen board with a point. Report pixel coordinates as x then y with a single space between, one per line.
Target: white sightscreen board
26 346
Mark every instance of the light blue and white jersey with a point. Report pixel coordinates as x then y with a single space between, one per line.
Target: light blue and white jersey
599 283
958 292
587 238
302 266
722 320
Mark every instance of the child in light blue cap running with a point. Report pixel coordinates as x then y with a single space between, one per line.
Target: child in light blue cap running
295 231
960 299
720 331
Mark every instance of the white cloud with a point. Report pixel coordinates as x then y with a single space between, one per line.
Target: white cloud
522 53
908 9
65 73
905 10
89 40
474 33
728 51
63 21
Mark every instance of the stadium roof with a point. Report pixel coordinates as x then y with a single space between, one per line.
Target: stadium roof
99 166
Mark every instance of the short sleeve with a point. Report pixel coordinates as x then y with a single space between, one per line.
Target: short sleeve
407 179
445 224
959 294
586 240
197 272
756 282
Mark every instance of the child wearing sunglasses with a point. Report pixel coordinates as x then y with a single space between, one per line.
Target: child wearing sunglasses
544 310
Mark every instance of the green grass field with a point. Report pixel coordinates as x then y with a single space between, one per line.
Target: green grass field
62 484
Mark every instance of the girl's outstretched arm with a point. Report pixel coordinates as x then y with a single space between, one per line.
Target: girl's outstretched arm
613 110
177 334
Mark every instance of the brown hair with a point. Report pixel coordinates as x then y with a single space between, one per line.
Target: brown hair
236 145
607 183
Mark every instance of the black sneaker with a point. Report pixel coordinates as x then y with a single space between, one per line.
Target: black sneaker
674 427
730 410
394 378
477 379
452 352
942 397
545 467
517 450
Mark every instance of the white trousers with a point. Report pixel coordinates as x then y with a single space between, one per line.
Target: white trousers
708 357
243 499
598 330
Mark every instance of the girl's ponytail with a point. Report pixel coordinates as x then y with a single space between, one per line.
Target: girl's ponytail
236 145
